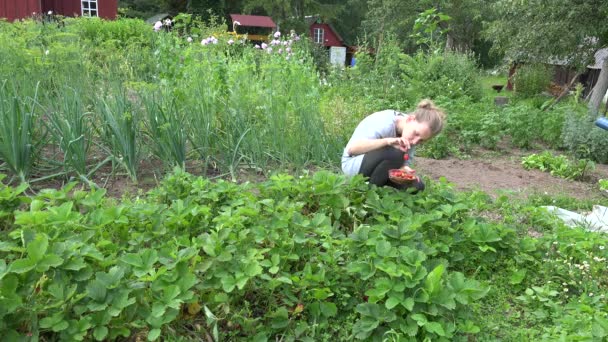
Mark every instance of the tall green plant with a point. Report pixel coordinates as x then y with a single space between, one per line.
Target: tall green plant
17 146
120 129
166 129
70 128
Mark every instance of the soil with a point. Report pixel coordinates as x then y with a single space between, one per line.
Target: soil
498 174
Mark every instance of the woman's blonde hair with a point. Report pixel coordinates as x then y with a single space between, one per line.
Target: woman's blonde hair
427 112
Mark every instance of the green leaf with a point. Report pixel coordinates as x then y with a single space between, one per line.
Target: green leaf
408 303
329 309
153 334
392 302
383 248
433 279
37 247
280 318
60 326
74 264
420 319
518 276
100 333
48 261
97 290
132 259
228 283
434 327
50 321
22 266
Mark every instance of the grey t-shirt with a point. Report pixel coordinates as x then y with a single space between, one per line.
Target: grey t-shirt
378 125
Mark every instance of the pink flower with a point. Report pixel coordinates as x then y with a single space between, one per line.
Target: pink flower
256 46
296 38
264 46
277 34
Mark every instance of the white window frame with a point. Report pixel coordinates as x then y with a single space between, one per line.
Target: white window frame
319 35
88 11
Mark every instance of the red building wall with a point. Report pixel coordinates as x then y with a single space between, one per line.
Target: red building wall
69 8
72 8
15 9
331 39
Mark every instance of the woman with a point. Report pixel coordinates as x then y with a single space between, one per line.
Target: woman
382 139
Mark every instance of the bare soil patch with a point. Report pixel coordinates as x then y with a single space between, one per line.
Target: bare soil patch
495 174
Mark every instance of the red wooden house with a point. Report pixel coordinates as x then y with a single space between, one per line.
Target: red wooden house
326 35
18 9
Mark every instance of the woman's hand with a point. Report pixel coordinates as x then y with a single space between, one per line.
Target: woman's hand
399 143
408 169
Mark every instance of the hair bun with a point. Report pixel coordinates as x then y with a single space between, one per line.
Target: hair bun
426 104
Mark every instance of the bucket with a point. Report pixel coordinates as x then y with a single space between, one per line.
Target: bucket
602 123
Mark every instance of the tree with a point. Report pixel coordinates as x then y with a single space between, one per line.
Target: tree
541 31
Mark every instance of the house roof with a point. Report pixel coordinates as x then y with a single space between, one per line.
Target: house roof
600 56
253 20
314 19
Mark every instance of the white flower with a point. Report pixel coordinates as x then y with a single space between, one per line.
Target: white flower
269 50
205 41
230 42
50 13
590 294
277 34
157 26
264 46
565 289
46 52
602 247
189 39
257 46
168 22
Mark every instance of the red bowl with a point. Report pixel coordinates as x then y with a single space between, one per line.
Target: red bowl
400 176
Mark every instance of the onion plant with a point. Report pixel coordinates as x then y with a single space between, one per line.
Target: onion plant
71 130
166 128
119 130
17 147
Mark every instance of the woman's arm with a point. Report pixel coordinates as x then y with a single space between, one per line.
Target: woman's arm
365 145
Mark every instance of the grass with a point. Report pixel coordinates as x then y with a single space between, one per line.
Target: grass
487 81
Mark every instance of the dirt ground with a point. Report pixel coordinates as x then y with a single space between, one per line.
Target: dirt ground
495 174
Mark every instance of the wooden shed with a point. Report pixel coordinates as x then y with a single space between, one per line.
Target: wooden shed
18 9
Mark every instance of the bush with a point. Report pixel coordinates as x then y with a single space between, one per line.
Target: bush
531 80
583 139
448 74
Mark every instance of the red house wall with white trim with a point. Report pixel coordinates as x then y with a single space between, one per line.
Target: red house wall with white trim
331 39
17 9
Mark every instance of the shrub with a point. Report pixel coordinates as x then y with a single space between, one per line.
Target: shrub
583 139
448 74
531 80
